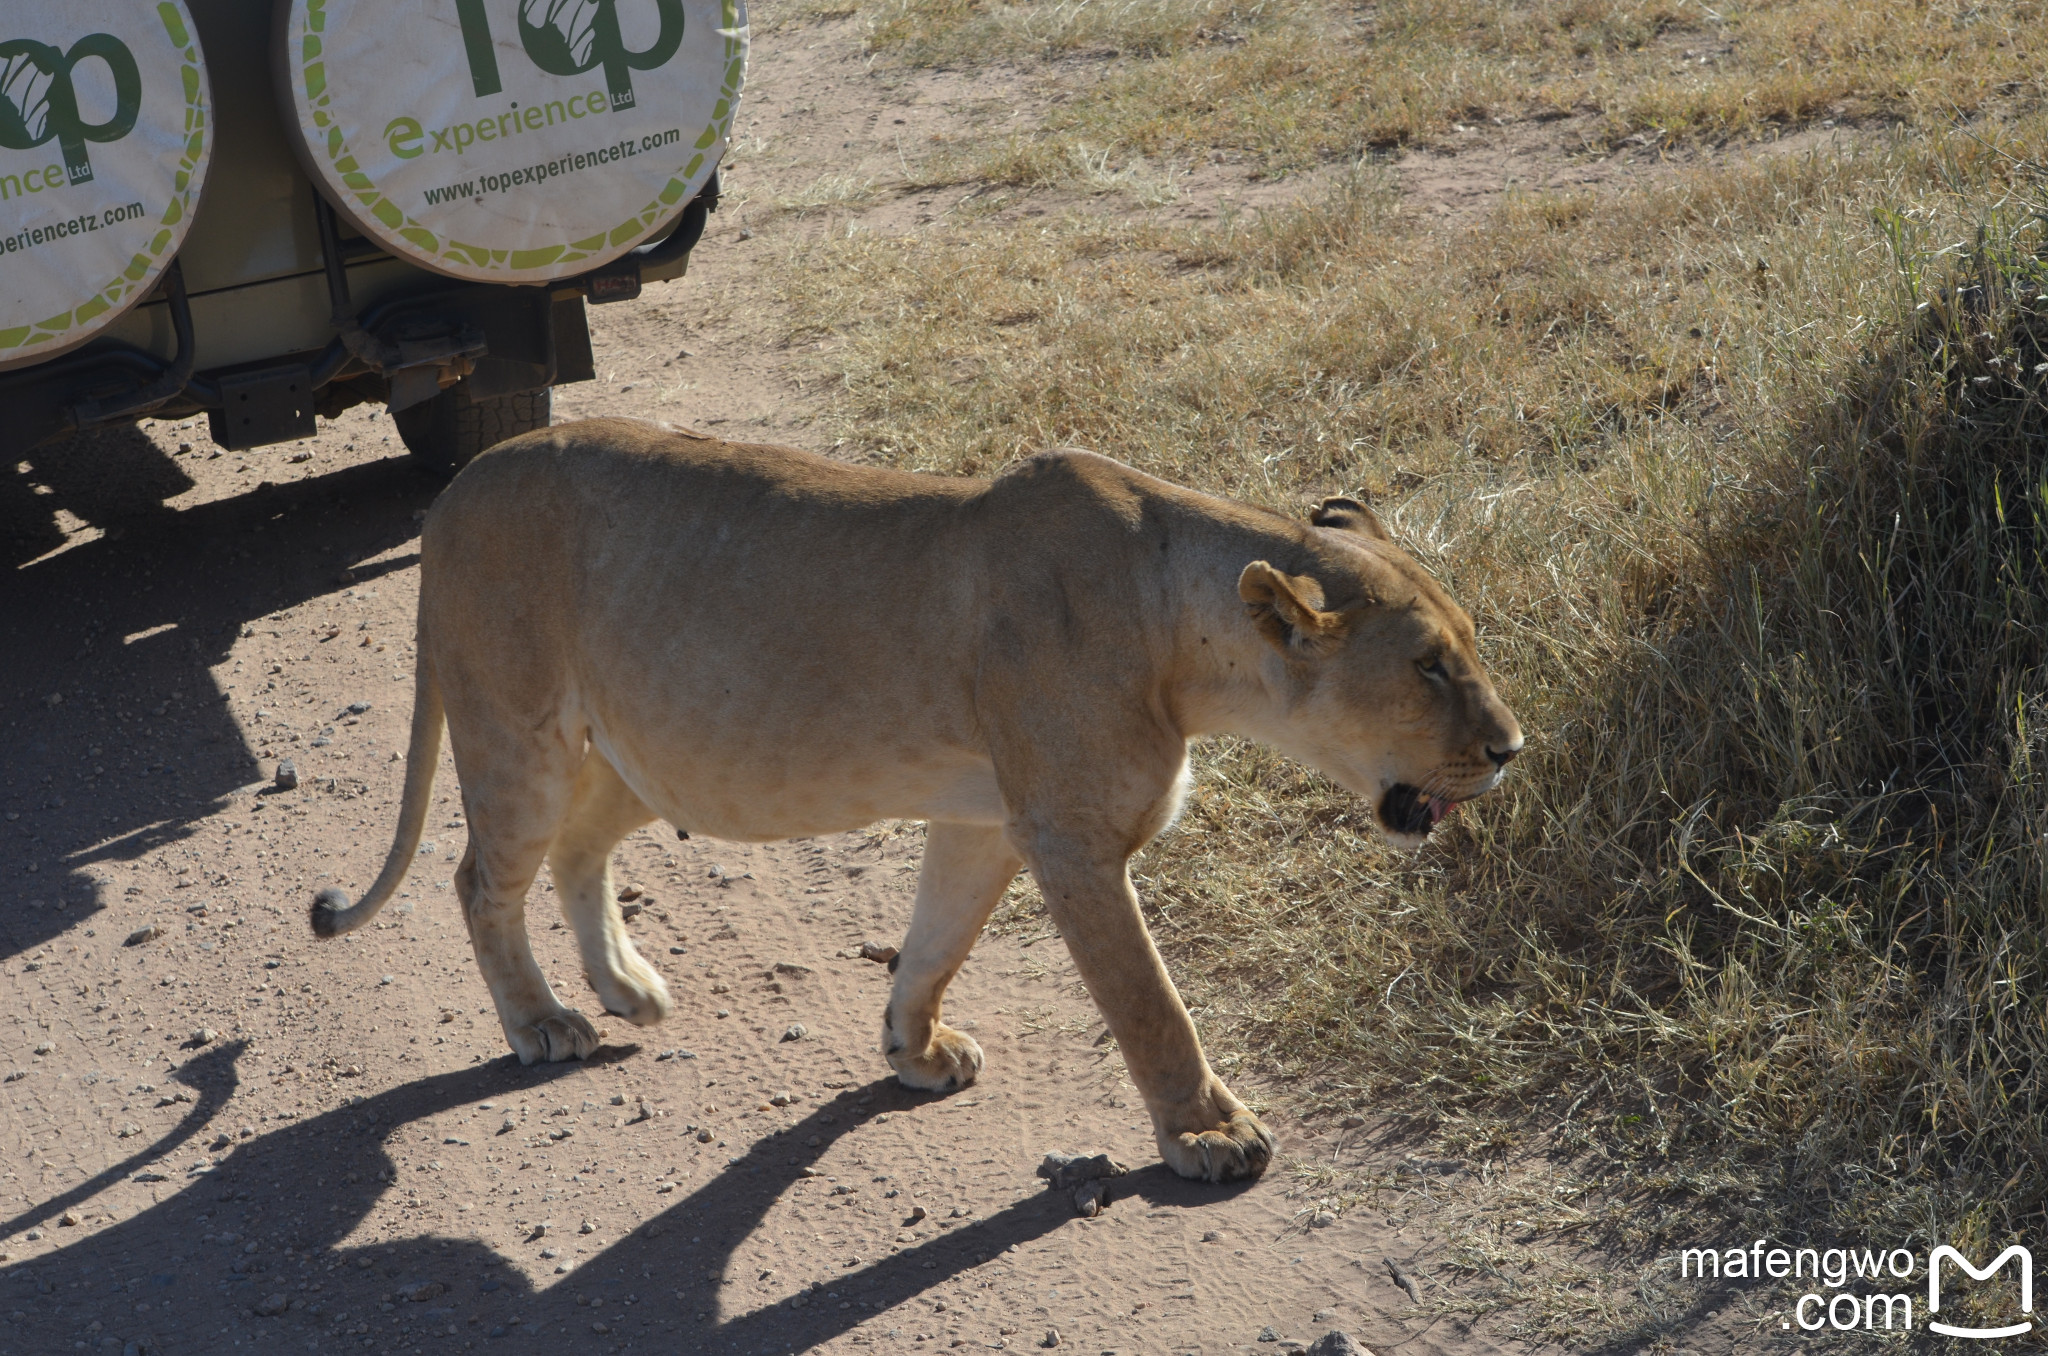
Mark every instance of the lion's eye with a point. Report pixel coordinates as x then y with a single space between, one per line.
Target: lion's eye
1435 669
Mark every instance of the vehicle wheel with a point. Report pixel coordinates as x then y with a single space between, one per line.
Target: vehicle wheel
444 433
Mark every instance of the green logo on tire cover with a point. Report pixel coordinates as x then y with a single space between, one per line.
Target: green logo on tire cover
569 37
34 111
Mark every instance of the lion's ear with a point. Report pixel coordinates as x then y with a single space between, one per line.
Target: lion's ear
1287 609
1348 515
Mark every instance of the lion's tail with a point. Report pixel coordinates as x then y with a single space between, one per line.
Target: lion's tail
331 912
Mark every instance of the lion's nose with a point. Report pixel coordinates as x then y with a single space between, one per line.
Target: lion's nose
1500 757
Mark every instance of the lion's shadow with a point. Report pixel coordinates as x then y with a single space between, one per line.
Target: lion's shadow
186 1273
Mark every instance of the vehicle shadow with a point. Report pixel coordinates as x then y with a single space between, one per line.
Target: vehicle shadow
188 1274
119 737
106 479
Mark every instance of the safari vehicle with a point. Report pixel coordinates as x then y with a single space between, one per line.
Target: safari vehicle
272 210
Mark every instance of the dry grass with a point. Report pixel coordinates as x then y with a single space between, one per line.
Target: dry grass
826 193
1295 83
1749 502
1741 472
955 32
1041 162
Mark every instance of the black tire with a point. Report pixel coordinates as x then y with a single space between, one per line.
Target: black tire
444 433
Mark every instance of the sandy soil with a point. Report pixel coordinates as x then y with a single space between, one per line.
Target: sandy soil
232 1136
231 1117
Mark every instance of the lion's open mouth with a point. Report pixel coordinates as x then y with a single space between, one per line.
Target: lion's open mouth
1406 810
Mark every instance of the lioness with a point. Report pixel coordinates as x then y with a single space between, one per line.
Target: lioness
621 624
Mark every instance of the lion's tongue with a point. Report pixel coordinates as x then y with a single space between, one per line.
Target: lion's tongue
1439 809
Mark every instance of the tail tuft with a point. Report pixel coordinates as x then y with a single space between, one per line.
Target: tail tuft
332 913
327 905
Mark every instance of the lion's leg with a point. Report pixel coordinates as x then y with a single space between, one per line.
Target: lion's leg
516 786
536 1024
1203 1131
966 869
604 811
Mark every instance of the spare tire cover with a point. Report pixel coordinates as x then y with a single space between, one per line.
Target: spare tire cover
511 140
106 123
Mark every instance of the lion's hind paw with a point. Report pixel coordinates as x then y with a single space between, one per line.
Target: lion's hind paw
563 1034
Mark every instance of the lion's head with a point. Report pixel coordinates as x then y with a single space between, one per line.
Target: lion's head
1379 684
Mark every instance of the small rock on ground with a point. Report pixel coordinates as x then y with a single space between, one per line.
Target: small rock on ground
1067 1171
1337 1344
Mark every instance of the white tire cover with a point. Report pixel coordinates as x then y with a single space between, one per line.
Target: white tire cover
106 122
511 141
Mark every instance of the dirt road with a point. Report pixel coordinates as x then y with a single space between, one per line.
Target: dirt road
231 1117
228 1135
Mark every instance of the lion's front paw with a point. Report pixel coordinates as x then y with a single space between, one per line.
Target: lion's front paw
949 1063
1213 1137
1240 1148
562 1034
